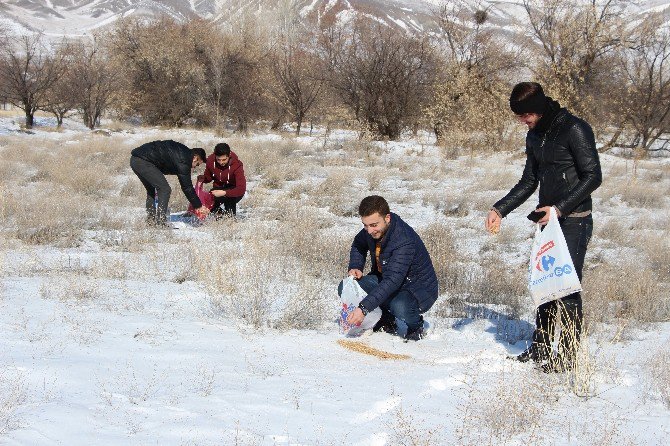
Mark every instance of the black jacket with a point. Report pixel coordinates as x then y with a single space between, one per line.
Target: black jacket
564 162
171 158
405 262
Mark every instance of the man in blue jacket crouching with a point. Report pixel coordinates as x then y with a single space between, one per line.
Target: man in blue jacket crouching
402 281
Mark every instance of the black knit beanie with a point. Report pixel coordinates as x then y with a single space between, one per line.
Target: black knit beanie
534 103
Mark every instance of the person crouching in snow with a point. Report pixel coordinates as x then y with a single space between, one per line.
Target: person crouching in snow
227 171
402 281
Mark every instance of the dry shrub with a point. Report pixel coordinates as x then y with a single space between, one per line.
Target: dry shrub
311 302
249 292
515 407
326 256
657 250
626 290
76 287
641 194
278 174
468 285
498 180
375 176
260 156
13 396
300 190
659 373
10 171
502 284
410 430
439 241
288 277
340 192
616 232
362 149
132 187
46 219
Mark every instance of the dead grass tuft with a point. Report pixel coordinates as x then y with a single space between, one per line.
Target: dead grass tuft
626 290
659 373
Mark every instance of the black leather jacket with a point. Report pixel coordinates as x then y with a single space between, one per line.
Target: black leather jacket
564 162
171 158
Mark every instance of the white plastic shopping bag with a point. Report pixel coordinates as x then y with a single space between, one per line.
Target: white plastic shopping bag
551 273
352 295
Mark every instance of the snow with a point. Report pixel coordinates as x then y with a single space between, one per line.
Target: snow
151 361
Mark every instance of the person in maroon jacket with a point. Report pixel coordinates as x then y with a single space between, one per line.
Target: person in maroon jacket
225 169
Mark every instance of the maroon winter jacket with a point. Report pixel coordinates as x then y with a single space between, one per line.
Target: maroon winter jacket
229 177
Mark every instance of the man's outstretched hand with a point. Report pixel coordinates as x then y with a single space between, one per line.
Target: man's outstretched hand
357 273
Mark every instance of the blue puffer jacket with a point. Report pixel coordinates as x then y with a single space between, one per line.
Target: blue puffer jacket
406 265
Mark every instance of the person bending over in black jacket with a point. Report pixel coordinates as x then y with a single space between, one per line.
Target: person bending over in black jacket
152 161
561 157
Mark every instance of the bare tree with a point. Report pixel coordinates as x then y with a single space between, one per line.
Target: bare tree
93 81
573 35
164 79
473 80
298 78
645 63
60 97
382 75
29 69
236 71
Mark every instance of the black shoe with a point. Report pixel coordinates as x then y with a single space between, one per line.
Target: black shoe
533 353
386 324
415 335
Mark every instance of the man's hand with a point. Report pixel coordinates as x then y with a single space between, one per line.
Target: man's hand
218 193
202 211
356 318
357 273
544 220
492 222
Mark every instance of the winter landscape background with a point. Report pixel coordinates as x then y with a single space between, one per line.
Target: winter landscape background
113 333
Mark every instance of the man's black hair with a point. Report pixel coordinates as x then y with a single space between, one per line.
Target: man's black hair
373 203
200 153
222 149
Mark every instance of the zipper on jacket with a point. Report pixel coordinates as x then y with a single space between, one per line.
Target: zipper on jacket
565 179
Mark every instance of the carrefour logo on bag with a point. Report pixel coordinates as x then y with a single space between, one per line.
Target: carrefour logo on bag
545 263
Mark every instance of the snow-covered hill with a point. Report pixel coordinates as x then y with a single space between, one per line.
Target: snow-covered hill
76 17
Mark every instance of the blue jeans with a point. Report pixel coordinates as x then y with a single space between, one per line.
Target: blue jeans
577 232
401 304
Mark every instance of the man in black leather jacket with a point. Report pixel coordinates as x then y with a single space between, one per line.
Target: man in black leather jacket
561 157
152 161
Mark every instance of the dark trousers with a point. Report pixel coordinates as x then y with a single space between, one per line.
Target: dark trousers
401 305
156 184
225 205
567 310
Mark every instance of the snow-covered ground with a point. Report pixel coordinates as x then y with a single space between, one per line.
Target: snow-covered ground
107 342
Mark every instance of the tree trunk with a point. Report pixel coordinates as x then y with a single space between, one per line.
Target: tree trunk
30 119
299 124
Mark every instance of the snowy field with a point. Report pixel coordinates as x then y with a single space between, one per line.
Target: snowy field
226 333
